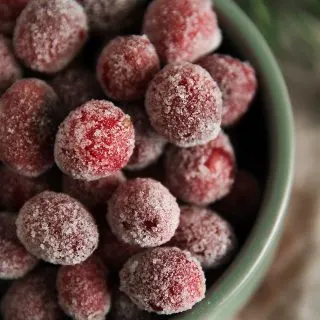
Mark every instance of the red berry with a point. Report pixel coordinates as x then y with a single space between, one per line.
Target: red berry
143 212
15 189
182 29
83 290
93 193
94 141
237 81
111 16
207 236
49 34
15 260
114 252
163 280
124 309
57 229
29 119
126 66
201 174
10 70
149 145
184 104
75 86
9 12
33 297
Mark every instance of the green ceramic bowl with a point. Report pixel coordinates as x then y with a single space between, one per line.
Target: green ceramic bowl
239 282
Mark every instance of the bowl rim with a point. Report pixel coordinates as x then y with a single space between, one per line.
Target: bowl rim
272 213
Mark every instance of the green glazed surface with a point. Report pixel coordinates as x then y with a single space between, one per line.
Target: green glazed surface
238 284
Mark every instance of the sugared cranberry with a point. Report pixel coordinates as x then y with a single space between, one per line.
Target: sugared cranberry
9 12
94 141
15 189
10 70
182 29
184 104
57 229
75 86
29 118
201 174
93 193
237 82
83 290
33 297
163 280
207 236
126 66
115 252
124 309
49 34
110 16
15 260
143 212
149 145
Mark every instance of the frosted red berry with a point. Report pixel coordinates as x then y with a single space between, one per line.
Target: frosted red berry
202 174
29 117
115 252
182 29
75 86
10 70
206 235
143 212
15 260
149 145
49 34
33 297
110 16
93 193
83 290
126 66
9 12
57 228
15 189
237 81
184 104
124 309
163 280
94 141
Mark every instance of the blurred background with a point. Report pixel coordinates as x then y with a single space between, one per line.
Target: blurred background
291 290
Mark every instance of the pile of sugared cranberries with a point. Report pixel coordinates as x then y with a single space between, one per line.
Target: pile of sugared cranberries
118 185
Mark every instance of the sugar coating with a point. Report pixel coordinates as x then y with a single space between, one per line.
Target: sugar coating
49 34
10 70
124 309
29 117
57 229
15 260
93 193
237 81
83 290
149 145
115 252
202 174
143 212
206 235
126 66
94 141
32 298
16 189
75 86
9 12
184 104
182 29
163 280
